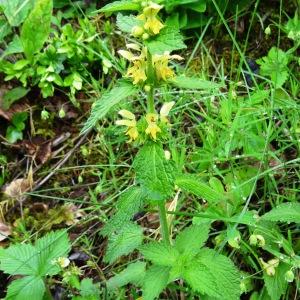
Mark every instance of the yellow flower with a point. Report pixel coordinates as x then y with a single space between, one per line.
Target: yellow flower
138 70
152 128
149 17
270 265
160 62
165 110
129 121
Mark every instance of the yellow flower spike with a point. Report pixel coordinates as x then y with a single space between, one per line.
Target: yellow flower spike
129 121
165 110
152 128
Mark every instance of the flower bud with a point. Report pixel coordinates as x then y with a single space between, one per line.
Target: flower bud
268 30
137 31
61 113
253 240
147 88
167 154
289 276
145 36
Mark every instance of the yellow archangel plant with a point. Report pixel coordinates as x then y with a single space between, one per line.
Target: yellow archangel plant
156 173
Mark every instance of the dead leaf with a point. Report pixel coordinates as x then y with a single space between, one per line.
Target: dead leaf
5 231
38 148
17 188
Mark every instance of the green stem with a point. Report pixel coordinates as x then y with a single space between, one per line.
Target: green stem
163 222
151 78
150 100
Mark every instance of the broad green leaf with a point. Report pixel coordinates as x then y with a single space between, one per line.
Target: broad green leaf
16 11
102 106
28 287
134 273
194 185
36 27
19 260
13 95
221 268
15 46
169 39
274 65
194 83
198 6
120 5
199 277
52 246
129 204
160 253
123 242
5 28
192 238
276 285
154 172
126 23
13 134
89 290
285 212
156 279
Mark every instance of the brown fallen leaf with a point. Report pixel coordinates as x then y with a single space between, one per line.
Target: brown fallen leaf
5 231
17 188
39 148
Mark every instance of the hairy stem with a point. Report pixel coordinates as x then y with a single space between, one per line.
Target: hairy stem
163 222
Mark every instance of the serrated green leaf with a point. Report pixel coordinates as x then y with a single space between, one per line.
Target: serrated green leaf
29 287
36 27
169 39
285 212
16 11
89 290
123 242
274 65
156 279
193 185
160 253
50 247
194 83
129 203
199 277
192 238
120 5
19 260
102 106
223 271
134 273
154 172
126 23
276 285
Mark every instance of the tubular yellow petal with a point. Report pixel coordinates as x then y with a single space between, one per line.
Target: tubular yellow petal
133 46
165 109
126 114
126 54
128 123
